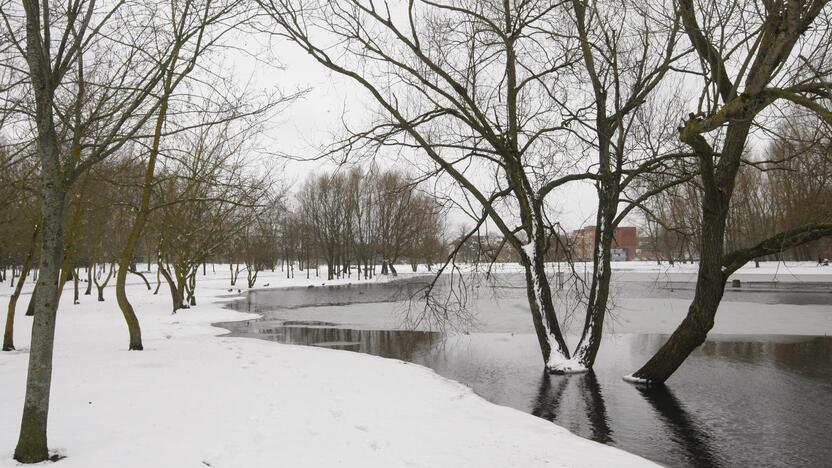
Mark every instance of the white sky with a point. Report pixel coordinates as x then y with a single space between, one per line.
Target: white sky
316 119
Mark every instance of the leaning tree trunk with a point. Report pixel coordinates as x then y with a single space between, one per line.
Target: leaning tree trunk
710 286
718 187
8 333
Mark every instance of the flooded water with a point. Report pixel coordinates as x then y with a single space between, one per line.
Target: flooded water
739 400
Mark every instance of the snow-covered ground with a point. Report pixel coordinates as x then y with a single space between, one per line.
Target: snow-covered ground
195 399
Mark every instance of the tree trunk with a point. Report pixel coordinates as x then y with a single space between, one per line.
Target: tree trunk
549 336
158 282
174 291
140 275
88 291
8 333
100 286
32 445
592 334
30 308
693 330
75 297
181 286
124 264
192 287
710 282
252 278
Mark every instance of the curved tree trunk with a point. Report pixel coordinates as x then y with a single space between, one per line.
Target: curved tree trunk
124 263
176 297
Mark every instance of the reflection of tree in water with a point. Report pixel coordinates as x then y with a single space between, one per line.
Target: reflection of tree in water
595 408
786 355
397 344
265 300
690 438
550 395
557 394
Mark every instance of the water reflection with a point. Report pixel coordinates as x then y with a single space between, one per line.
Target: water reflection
738 401
551 394
686 433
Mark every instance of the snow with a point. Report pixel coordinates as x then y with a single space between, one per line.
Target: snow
196 399
565 366
635 380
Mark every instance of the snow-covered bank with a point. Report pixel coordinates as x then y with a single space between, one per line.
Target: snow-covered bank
193 399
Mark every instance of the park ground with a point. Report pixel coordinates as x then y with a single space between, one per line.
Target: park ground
194 398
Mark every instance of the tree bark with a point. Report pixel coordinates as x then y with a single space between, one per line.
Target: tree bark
32 445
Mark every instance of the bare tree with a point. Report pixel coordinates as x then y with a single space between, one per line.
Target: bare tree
627 50
79 120
193 29
752 61
472 91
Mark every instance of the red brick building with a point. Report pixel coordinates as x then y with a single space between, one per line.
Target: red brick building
624 245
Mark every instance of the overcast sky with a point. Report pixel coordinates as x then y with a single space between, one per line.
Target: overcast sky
315 120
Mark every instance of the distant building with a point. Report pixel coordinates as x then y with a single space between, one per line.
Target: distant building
624 244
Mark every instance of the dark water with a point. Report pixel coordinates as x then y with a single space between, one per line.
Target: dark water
738 401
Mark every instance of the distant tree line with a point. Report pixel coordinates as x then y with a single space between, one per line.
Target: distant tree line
351 221
786 186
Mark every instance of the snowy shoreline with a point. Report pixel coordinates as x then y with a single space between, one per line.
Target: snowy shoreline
195 399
